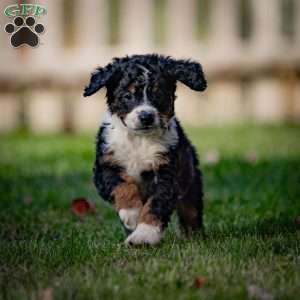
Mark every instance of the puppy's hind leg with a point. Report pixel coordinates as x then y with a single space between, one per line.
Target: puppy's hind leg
190 210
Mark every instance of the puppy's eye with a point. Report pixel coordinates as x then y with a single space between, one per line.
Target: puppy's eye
131 88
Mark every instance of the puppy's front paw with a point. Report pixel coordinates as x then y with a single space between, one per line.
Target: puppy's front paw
145 234
129 217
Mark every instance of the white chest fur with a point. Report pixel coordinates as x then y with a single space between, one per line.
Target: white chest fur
137 153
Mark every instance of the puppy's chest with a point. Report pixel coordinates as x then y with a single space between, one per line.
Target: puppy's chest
135 153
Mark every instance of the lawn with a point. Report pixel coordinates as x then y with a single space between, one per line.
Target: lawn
252 197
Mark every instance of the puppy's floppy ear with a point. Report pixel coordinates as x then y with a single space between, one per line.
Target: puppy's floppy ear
99 79
188 72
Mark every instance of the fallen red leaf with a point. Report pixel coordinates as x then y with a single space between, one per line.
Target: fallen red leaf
46 294
212 157
259 293
27 200
297 222
82 206
251 157
200 282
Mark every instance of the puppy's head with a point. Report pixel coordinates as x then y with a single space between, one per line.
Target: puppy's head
141 88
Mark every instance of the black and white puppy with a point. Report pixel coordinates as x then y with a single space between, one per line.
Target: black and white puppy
145 165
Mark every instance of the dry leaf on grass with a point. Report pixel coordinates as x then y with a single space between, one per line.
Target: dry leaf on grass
27 200
82 206
211 157
251 157
46 294
200 282
297 222
258 293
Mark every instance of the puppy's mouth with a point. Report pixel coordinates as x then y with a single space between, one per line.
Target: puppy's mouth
150 129
139 128
145 129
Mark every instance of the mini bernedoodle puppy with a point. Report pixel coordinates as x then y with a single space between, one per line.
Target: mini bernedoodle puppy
145 165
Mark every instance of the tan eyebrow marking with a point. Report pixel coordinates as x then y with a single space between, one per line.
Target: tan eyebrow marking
131 88
155 87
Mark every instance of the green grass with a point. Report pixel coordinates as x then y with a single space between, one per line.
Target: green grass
250 208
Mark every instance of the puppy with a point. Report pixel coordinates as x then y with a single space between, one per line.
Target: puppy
145 165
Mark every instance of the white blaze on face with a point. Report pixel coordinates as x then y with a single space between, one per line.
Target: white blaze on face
132 119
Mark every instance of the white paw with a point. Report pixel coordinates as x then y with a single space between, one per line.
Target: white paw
129 217
145 234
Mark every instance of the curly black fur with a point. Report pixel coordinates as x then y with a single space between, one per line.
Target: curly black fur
123 70
177 184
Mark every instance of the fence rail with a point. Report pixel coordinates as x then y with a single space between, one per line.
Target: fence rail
253 70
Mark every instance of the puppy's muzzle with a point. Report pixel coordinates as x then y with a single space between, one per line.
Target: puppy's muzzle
146 118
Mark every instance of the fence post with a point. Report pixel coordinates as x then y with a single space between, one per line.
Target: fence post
48 55
9 111
91 24
297 28
136 25
45 111
268 100
191 106
267 91
88 112
266 27
296 102
296 98
181 26
225 41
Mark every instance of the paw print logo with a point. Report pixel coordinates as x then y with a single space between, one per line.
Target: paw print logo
24 31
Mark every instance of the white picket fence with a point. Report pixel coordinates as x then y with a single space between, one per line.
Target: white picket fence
249 79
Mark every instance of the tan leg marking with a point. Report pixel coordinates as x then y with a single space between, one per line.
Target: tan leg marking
128 202
147 217
127 195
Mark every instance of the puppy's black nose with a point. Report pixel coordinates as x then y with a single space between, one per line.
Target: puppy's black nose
146 118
